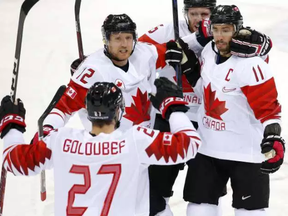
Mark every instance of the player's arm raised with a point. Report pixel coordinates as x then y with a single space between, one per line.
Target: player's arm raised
158 35
18 157
72 100
249 43
182 143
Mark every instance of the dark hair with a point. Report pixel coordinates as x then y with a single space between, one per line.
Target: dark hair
102 123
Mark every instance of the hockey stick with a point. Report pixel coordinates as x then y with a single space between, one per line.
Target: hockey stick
176 36
78 29
25 8
54 101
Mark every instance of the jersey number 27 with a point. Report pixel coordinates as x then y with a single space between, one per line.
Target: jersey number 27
114 169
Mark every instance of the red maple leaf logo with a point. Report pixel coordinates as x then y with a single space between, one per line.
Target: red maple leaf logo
185 84
27 157
119 84
178 146
213 107
139 111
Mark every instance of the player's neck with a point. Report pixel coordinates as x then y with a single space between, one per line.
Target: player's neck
225 54
107 129
119 63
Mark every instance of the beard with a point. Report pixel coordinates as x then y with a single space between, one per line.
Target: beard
222 46
114 57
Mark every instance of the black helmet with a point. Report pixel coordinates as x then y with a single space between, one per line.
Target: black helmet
227 14
118 23
103 101
199 3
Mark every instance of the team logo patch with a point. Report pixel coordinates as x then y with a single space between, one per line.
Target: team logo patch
119 83
167 138
71 92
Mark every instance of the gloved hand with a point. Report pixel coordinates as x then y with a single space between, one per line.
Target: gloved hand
273 146
46 130
169 98
179 53
75 64
12 116
249 42
204 34
270 143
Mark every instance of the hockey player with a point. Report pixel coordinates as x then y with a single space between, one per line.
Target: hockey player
195 11
239 121
104 171
162 178
130 65
196 14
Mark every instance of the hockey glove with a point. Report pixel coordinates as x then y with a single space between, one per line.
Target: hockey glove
75 64
173 55
46 130
169 98
273 146
249 43
204 35
179 53
11 116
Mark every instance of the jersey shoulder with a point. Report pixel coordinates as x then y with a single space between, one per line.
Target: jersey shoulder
252 71
143 47
67 131
165 32
95 68
208 53
96 57
144 51
208 47
183 29
143 134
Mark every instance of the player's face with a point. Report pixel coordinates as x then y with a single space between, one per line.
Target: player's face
120 45
195 15
222 34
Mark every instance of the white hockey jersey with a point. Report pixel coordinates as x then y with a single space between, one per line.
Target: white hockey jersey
162 34
103 175
239 100
135 84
